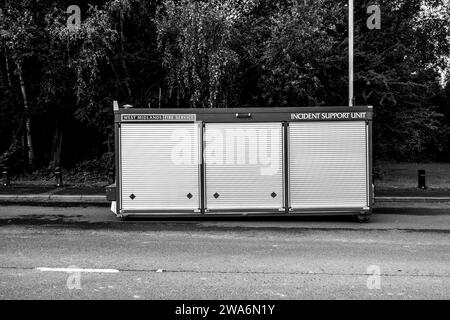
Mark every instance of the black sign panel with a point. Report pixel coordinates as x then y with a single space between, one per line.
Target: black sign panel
158 117
311 116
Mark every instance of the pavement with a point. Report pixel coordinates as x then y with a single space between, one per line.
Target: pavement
50 195
95 195
85 253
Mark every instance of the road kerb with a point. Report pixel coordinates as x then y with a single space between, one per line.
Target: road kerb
101 199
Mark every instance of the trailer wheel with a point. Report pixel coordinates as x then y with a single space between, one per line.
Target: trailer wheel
362 218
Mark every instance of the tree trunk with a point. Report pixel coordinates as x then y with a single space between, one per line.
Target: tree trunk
14 147
110 58
8 74
55 160
122 60
23 145
116 74
27 118
127 76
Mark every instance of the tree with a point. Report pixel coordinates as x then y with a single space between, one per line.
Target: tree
19 37
396 72
57 84
99 57
196 40
291 44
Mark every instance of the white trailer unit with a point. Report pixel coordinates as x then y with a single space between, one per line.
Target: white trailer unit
283 161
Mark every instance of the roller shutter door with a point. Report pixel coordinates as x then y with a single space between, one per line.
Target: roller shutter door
160 167
328 164
243 166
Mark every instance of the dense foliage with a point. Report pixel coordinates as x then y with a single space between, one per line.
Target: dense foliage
57 83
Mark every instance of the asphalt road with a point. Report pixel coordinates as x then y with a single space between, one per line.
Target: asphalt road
326 258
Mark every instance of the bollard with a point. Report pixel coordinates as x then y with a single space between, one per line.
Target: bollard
421 179
5 177
58 177
111 176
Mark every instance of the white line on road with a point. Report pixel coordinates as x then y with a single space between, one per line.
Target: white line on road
78 270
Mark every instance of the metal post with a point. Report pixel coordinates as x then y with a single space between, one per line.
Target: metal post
111 177
421 179
350 53
58 177
5 177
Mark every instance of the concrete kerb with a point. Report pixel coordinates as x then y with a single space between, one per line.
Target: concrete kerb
52 199
101 199
412 199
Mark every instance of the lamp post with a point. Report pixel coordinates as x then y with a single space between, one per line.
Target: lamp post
350 53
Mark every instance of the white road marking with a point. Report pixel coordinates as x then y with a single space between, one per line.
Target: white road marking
78 270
